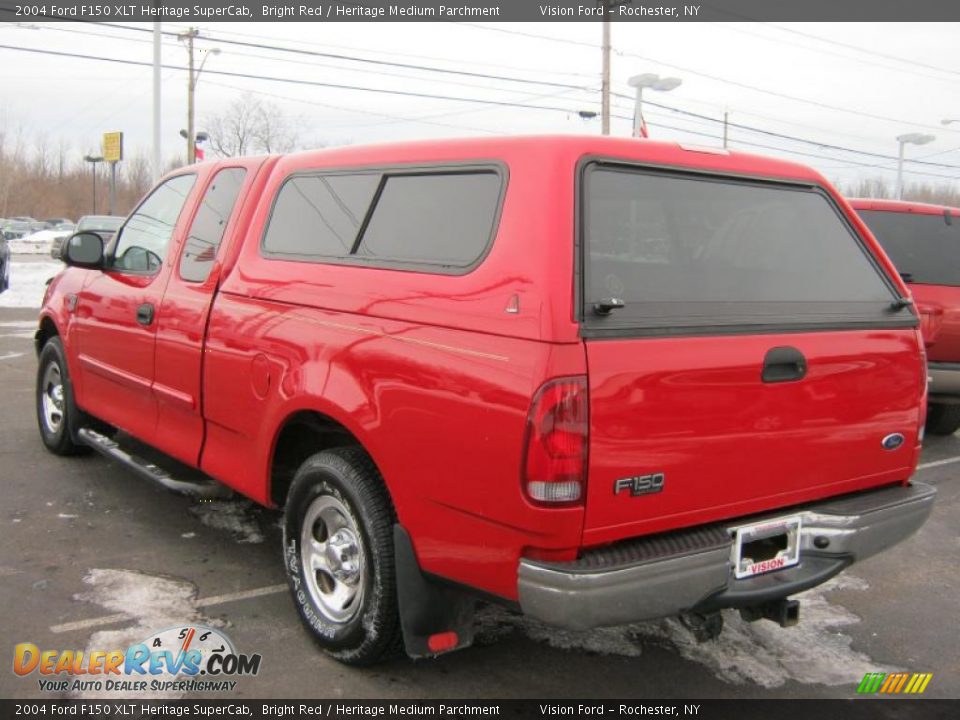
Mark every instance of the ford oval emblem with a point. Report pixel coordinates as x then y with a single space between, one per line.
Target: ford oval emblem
892 441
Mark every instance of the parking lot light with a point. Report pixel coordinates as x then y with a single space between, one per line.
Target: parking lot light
904 140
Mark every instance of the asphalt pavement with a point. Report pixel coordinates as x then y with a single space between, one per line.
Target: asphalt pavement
94 557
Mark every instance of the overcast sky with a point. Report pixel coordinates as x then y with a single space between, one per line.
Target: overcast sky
849 85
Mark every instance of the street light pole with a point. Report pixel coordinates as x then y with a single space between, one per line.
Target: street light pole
654 82
904 140
157 135
93 160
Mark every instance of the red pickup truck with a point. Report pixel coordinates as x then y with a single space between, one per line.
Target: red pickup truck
924 243
598 380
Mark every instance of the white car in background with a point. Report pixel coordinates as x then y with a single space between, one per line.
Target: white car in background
105 225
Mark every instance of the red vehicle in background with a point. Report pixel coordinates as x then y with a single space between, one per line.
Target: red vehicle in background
924 243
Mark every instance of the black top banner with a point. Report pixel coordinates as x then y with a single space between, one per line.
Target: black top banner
481 10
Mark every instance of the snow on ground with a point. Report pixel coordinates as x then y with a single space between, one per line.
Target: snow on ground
38 243
28 281
154 603
814 652
237 517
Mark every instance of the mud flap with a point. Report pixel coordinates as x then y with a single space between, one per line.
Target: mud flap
435 617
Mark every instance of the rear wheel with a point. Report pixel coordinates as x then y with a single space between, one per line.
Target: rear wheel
338 552
943 419
56 412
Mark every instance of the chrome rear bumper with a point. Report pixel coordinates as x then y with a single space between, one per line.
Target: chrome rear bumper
692 570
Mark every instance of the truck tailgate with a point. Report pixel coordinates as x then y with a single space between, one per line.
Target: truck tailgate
685 431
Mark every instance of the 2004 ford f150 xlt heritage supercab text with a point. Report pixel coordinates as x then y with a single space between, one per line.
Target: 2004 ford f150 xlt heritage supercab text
598 380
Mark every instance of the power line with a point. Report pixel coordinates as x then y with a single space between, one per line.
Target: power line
488 102
357 59
548 71
783 136
89 33
715 78
864 50
549 84
730 27
295 81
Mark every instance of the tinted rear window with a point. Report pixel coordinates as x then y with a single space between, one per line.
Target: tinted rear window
435 219
686 251
924 248
319 215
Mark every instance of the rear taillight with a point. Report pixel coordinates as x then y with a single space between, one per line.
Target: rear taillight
555 456
924 386
931 322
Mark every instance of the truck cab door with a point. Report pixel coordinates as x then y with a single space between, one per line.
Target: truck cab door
185 308
115 322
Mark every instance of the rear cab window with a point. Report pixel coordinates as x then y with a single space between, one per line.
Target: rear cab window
210 223
686 253
924 247
439 220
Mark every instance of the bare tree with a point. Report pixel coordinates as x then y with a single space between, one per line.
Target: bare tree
940 194
250 125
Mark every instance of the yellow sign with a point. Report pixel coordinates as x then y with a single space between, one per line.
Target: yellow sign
113 146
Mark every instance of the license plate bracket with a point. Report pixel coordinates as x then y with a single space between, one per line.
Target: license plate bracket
766 546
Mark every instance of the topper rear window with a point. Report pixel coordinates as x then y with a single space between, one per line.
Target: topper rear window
925 248
688 251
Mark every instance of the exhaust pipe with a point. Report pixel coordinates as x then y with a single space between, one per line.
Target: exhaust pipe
784 612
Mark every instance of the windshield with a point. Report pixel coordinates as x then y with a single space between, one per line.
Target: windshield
690 251
925 248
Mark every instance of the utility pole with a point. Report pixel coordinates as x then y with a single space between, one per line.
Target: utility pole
157 136
726 121
605 84
188 36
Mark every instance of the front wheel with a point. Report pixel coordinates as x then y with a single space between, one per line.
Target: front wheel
55 408
943 419
338 553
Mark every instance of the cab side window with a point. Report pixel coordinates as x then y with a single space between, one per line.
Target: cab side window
209 224
143 240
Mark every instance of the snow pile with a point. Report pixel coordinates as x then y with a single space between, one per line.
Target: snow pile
154 603
814 652
38 243
237 517
28 281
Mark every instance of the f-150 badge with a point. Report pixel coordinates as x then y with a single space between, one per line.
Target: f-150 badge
639 484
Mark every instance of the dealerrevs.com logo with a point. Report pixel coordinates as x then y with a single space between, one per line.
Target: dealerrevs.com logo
191 658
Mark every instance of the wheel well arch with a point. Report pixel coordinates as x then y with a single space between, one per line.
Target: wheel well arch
48 329
302 434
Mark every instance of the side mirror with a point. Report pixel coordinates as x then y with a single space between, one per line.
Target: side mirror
84 249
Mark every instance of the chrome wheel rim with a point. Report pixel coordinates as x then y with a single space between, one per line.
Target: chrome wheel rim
52 402
332 558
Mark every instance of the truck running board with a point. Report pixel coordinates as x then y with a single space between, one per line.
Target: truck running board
203 489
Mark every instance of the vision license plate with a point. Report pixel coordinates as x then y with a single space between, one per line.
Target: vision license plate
766 546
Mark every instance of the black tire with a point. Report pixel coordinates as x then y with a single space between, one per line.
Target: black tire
943 419
338 498
57 415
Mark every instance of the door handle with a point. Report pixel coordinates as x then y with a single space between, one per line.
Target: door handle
145 314
783 364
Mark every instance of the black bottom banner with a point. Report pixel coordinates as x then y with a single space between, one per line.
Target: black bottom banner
861 709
